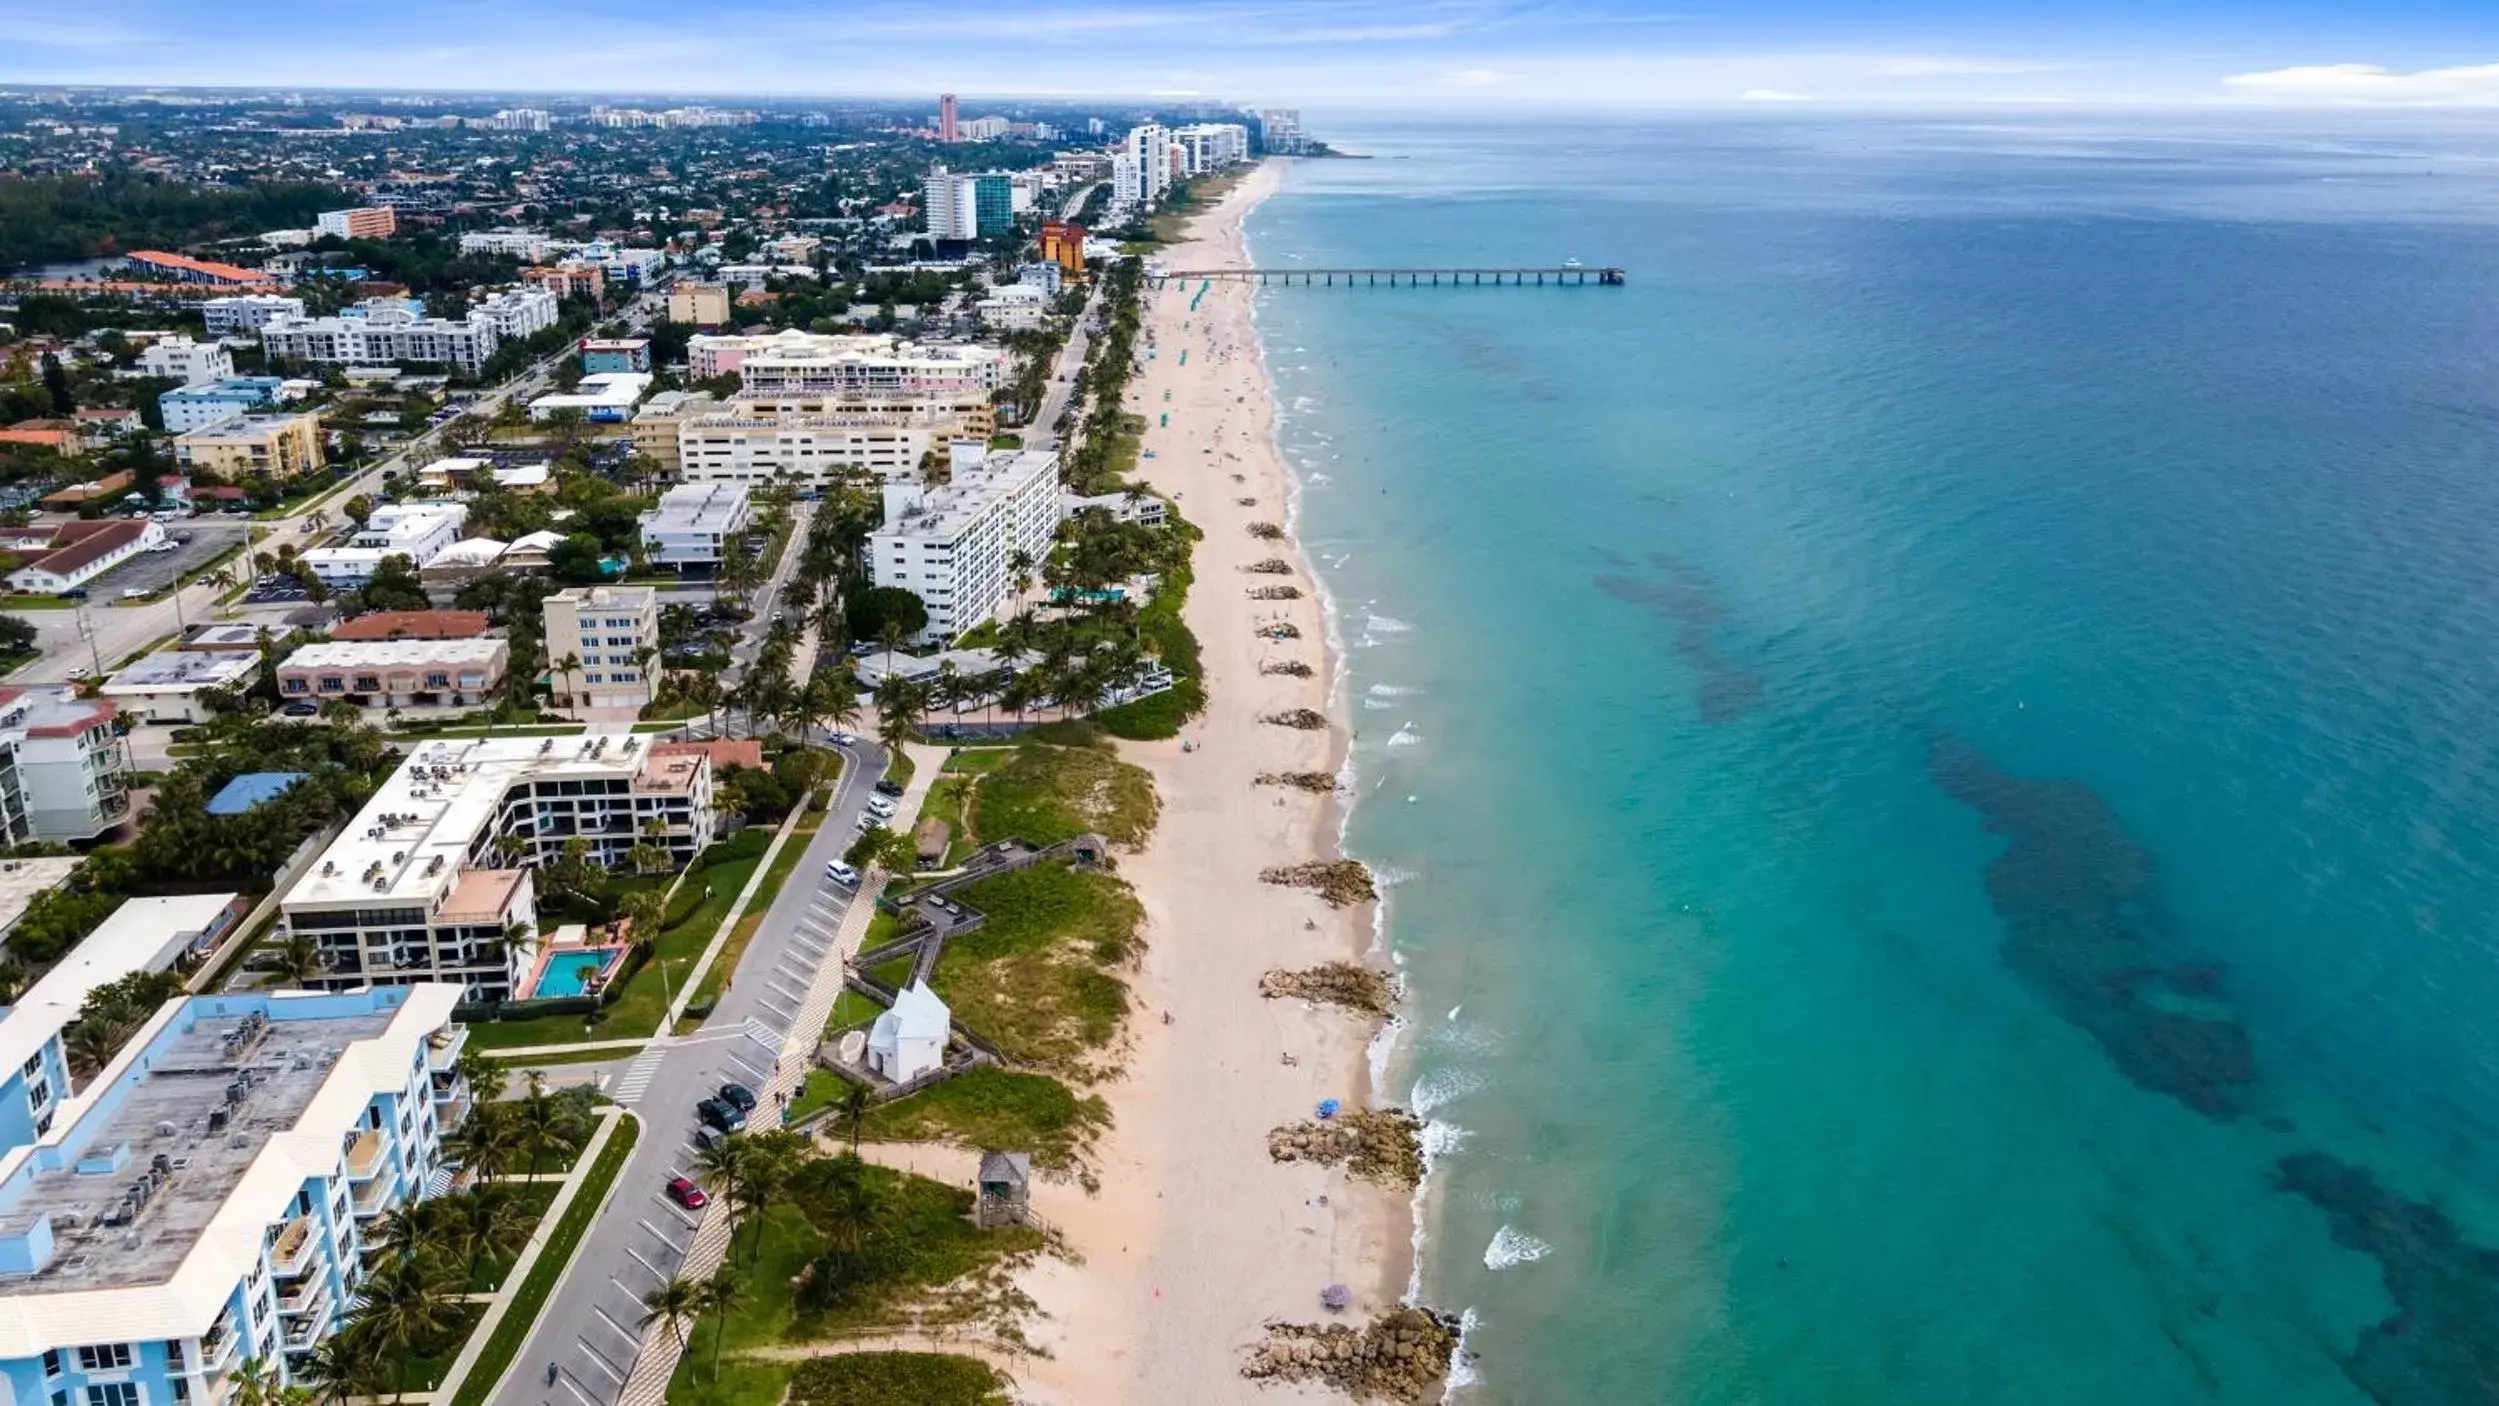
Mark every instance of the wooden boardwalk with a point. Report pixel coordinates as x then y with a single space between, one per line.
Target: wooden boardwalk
1565 276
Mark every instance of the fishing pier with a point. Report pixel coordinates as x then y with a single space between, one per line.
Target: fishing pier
1565 276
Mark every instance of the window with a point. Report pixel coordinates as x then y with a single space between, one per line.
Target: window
34 1064
105 1357
52 1363
113 1394
438 680
295 686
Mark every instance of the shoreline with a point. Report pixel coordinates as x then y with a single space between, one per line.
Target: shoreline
1167 1295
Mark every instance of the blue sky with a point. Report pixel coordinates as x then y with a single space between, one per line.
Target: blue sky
1438 53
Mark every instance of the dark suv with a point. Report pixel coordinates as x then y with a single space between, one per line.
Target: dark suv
739 1096
720 1114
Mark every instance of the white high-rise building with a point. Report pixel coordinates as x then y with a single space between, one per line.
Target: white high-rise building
1211 146
953 546
1150 147
949 204
518 312
527 244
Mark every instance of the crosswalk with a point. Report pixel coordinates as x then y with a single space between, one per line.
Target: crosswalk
636 1079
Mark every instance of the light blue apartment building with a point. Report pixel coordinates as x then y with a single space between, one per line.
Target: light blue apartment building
188 408
212 1195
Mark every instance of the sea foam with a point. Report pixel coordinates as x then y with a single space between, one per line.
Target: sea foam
1512 1246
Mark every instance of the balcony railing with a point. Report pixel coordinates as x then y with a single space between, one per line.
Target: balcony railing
364 1155
292 1255
311 1296
373 1198
442 1048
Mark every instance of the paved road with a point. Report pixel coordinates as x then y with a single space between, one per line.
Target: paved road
1042 432
750 640
591 1331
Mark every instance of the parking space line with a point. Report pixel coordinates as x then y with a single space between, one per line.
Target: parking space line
578 1394
622 1331
599 1360
656 1272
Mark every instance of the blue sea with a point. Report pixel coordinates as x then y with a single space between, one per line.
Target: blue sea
1933 753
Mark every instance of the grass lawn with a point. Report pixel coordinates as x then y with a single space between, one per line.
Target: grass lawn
991 1107
897 1379
899 766
1036 977
530 1299
564 1057
424 1371
1045 794
643 1001
22 601
487 1274
849 1009
924 1239
945 801
822 1088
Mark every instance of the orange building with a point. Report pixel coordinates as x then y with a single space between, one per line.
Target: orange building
1063 244
569 278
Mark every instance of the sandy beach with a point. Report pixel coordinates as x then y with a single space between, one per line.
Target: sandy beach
1196 1237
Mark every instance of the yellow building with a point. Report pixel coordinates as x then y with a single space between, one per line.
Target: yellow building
279 445
703 304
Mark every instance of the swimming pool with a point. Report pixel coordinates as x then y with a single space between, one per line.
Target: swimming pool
568 973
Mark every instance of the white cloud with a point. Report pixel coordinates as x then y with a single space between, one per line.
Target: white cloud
1774 95
1478 78
2370 83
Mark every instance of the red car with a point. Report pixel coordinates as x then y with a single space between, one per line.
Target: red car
687 1194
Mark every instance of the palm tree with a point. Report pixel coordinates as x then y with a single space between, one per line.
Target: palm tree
721 1293
891 636
508 851
496 1219
855 1105
344 1364
677 1301
722 1164
543 1121
898 706
490 1141
255 1384
299 959
565 668
405 1310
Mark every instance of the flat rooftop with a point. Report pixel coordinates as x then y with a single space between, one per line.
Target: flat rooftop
383 654
185 668
243 428
409 842
22 879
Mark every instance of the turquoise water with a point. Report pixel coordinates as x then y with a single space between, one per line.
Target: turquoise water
569 973
1934 753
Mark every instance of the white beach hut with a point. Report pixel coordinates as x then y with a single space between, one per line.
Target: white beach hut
910 1039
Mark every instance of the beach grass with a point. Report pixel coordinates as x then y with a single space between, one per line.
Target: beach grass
1037 976
897 1379
921 1240
1044 794
991 1107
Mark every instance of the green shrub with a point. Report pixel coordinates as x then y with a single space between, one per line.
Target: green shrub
897 1379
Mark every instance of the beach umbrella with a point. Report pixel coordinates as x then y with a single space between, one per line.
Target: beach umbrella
1336 1297
1328 1107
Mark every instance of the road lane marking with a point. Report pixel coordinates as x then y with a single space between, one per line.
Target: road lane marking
628 1334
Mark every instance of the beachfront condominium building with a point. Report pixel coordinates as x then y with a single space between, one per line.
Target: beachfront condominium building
213 1197
603 645
142 935
188 408
279 445
692 525
432 873
954 545
395 673
246 312
417 531
364 222
1280 130
191 363
703 304
1211 146
798 363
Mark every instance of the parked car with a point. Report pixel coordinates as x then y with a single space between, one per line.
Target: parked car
863 823
880 807
705 1139
301 708
687 1194
842 874
739 1095
889 788
844 739
75 593
724 1116
134 593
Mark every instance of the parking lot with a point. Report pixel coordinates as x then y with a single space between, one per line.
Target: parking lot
275 590
149 572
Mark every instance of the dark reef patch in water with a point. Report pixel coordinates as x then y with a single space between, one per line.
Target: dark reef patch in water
2071 890
1690 603
2441 1347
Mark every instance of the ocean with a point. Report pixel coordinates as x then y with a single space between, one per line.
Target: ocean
1932 754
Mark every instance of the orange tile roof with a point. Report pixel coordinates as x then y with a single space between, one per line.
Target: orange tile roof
414 625
216 272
